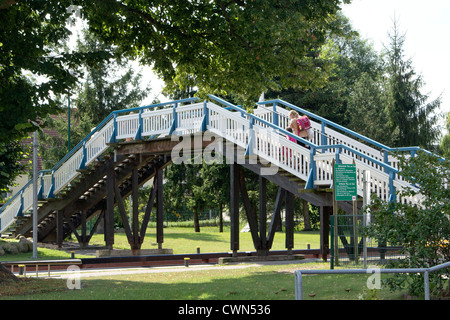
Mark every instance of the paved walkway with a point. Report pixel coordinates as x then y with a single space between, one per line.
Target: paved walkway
101 272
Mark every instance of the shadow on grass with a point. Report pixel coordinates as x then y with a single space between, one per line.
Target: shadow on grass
197 236
220 284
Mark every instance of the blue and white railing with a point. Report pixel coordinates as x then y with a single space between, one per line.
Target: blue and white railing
261 134
123 124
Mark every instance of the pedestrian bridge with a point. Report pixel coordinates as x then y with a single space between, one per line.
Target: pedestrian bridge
133 146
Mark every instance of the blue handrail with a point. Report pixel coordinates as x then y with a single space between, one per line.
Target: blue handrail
391 171
80 144
348 131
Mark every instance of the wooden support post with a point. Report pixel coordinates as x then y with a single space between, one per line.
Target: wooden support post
123 214
135 216
289 221
109 215
97 222
234 207
159 208
251 215
325 213
59 228
83 242
263 215
148 211
276 217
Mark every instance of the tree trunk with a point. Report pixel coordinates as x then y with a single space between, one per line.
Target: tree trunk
221 218
306 217
6 275
196 222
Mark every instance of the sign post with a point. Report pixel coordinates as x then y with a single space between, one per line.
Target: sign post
345 182
345 189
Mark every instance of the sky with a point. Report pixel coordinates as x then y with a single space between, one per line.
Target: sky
427 28
426 25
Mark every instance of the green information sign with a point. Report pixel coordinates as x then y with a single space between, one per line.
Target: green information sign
345 185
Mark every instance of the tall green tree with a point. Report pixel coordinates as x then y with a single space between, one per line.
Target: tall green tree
411 112
110 85
241 47
367 109
216 187
183 189
32 73
350 57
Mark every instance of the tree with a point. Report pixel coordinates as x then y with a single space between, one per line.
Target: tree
53 147
230 46
367 109
410 113
29 31
351 57
216 187
182 189
445 141
110 85
422 230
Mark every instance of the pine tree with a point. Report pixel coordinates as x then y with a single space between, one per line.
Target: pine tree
409 112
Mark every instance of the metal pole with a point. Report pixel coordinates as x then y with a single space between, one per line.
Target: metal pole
68 127
298 285
427 285
35 190
366 217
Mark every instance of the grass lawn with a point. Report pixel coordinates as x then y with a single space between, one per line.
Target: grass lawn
250 283
185 240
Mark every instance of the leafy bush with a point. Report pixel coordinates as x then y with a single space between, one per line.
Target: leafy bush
423 230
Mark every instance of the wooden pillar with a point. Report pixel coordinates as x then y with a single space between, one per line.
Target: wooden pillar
83 242
135 213
289 221
263 215
159 208
275 224
234 208
251 214
325 213
59 228
109 214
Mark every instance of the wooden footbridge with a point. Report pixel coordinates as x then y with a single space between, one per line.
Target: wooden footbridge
131 147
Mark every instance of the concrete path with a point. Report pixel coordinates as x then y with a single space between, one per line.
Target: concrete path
101 272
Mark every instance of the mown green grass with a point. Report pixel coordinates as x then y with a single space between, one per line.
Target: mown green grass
251 283
43 254
185 240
